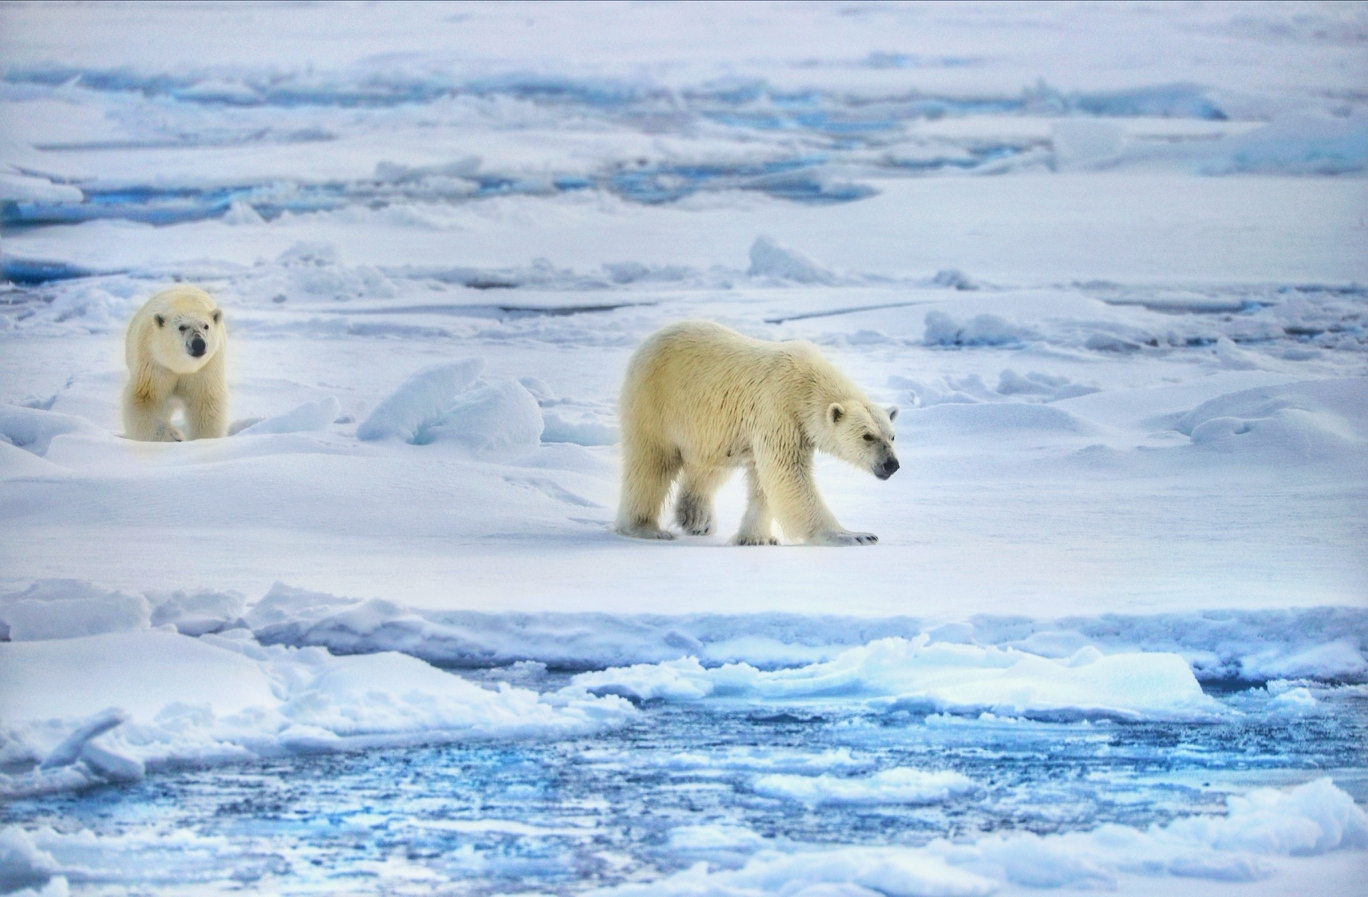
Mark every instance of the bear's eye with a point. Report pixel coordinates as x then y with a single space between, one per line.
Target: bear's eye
183 328
868 437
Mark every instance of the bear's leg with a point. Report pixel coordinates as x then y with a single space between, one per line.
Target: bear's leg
694 507
647 472
787 481
147 409
757 526
206 401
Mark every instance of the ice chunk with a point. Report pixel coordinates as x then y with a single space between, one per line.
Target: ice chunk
306 418
557 429
113 765
195 613
393 693
66 753
891 786
310 255
240 213
497 420
286 605
419 401
770 258
67 608
981 330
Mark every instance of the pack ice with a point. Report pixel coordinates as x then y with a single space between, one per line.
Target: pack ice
1114 635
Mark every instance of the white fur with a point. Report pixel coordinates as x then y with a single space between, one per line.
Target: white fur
700 400
163 373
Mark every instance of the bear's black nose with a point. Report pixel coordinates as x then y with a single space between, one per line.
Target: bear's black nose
197 346
887 469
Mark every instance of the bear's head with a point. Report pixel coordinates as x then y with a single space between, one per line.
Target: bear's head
187 329
861 433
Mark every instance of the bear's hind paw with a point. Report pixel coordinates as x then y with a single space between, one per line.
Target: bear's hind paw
844 537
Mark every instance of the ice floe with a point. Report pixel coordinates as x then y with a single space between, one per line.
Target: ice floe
923 677
105 707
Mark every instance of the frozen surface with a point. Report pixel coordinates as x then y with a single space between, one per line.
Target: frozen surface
1109 260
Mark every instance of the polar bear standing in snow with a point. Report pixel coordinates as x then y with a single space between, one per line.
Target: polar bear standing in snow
174 349
701 400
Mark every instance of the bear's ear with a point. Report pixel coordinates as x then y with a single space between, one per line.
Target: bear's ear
161 322
892 412
835 412
218 316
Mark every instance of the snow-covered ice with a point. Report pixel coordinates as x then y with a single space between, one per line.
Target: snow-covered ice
1108 259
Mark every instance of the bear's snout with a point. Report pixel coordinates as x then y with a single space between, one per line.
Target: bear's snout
887 469
197 346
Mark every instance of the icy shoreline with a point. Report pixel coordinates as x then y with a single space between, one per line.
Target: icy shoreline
1327 644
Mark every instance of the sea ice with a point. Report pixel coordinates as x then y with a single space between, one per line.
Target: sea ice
926 677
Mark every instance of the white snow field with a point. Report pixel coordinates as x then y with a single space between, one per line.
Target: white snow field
1110 260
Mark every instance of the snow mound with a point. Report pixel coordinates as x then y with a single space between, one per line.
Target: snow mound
980 330
496 420
919 676
891 786
33 429
226 697
994 419
1307 820
419 401
306 418
67 608
770 258
1315 420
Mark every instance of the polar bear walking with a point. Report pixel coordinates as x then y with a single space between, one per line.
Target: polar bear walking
174 349
701 400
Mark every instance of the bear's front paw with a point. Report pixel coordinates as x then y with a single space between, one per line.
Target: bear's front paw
751 539
643 532
169 433
695 516
844 537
